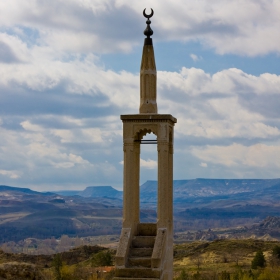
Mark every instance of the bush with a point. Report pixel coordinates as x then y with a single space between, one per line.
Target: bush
259 260
57 265
102 259
270 274
225 276
183 275
276 251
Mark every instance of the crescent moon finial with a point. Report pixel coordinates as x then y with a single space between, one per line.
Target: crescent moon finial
148 16
148 31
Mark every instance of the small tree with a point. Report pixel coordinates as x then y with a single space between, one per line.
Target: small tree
197 276
102 259
197 260
183 275
275 257
57 265
276 251
225 276
259 260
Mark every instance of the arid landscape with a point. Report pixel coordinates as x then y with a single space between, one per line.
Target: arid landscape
204 209
198 260
219 227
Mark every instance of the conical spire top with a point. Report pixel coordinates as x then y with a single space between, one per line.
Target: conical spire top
148 31
148 73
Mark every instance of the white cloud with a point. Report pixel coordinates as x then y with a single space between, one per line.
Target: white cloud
60 106
195 58
31 127
212 106
209 107
242 27
259 155
89 135
72 160
228 82
10 174
149 163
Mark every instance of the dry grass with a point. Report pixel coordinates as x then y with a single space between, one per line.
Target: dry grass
220 255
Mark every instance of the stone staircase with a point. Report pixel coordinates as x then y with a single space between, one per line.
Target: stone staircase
138 264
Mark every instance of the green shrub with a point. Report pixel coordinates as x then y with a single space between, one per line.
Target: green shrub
276 251
183 275
57 265
259 260
270 274
102 259
224 276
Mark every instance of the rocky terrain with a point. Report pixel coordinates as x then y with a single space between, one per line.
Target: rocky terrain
209 258
267 230
190 190
23 266
199 205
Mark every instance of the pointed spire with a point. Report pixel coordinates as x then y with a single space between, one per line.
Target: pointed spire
148 72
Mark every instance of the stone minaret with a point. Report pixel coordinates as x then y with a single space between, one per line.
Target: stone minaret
148 75
146 249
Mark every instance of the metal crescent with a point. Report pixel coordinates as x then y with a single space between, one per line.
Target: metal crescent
148 16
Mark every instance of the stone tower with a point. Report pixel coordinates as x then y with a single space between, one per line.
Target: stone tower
146 249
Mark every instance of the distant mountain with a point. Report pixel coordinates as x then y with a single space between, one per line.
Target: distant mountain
4 188
94 191
198 191
270 223
191 190
101 191
199 204
201 191
68 193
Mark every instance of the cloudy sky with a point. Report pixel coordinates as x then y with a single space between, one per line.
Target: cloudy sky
69 68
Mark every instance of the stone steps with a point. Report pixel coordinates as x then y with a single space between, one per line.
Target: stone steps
147 229
138 265
143 241
139 262
141 252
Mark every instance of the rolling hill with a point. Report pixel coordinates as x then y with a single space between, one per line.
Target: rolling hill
199 204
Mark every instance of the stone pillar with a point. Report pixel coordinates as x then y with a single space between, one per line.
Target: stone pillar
170 178
131 204
165 175
165 192
169 261
163 180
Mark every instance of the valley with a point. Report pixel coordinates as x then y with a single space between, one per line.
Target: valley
219 225
204 209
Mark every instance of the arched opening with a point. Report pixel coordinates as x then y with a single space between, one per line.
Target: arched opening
148 177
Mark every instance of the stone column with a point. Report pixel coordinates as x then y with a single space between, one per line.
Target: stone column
170 180
163 184
169 255
165 193
131 203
